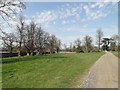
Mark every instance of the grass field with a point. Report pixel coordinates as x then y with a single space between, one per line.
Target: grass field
47 71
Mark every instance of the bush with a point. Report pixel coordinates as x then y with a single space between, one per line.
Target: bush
79 49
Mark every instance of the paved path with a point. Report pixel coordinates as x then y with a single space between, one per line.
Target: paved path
104 73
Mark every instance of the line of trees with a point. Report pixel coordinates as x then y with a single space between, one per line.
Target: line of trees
30 38
104 44
78 46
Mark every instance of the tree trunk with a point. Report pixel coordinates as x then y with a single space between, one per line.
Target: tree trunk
11 50
28 54
57 50
31 53
19 54
99 46
37 53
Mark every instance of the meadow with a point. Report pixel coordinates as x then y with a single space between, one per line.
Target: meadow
47 71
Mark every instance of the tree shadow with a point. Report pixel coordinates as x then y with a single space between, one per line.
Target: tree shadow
19 59
59 57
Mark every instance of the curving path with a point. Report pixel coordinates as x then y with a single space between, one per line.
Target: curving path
104 73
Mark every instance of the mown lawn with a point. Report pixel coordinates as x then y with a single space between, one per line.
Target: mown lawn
47 71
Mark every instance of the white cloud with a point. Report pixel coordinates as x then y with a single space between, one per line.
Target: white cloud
64 22
70 29
75 10
93 5
27 21
70 11
73 21
46 25
86 9
101 5
62 13
77 16
54 22
46 16
98 10
84 26
67 4
83 20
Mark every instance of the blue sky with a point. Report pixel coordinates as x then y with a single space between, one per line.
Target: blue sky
70 20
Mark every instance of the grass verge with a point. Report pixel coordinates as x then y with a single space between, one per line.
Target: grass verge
116 54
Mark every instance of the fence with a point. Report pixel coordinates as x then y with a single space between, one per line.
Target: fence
4 55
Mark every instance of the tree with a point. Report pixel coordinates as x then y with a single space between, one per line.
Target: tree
58 45
79 49
52 43
65 47
29 39
39 40
87 44
20 31
113 46
71 47
10 8
115 38
9 40
105 47
99 36
78 45
74 48
106 42
46 41
114 43
77 42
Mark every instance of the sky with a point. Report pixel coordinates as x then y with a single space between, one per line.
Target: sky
70 20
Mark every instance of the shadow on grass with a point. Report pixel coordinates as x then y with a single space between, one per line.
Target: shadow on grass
28 58
59 57
19 59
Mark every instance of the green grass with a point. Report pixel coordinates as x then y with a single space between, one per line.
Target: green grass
115 53
47 71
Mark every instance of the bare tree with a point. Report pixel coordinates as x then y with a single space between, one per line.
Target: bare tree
8 40
112 46
99 36
58 45
52 43
39 40
29 39
115 38
20 32
46 41
71 47
78 45
87 44
65 47
77 42
10 8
